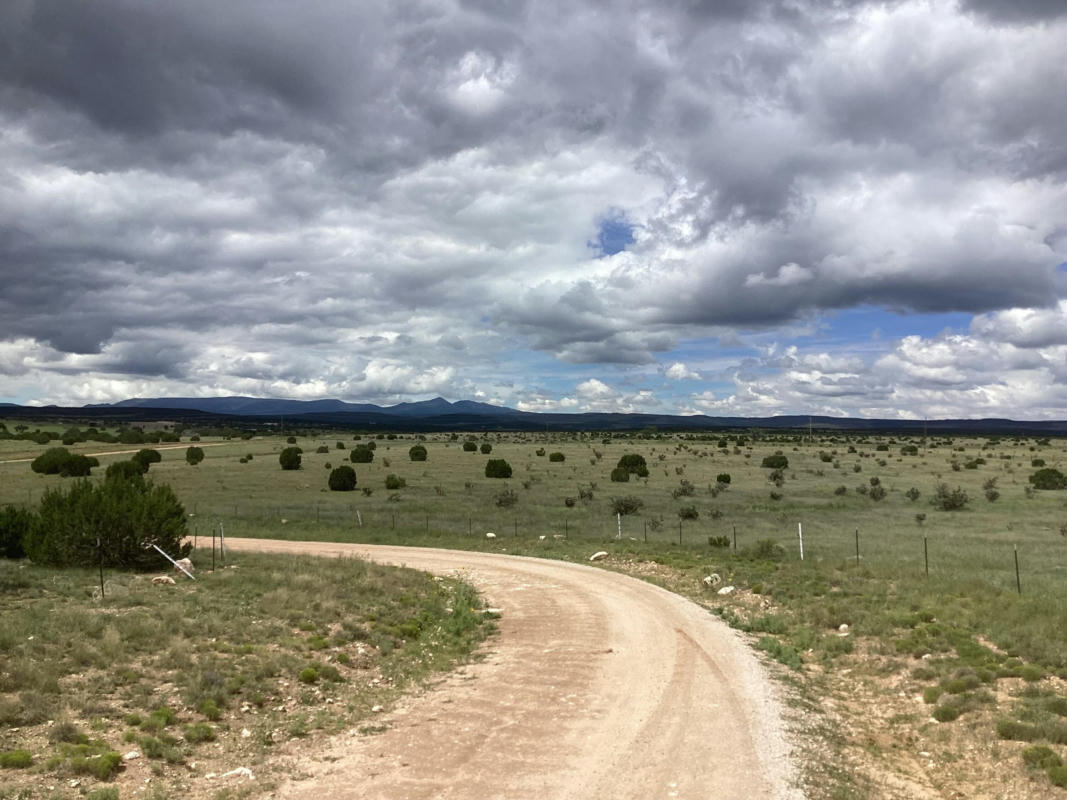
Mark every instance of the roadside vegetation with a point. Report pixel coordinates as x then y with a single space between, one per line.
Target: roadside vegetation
918 657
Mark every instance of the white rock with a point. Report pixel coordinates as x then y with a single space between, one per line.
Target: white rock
599 555
712 580
377 709
541 538
163 580
727 590
130 756
490 535
245 733
843 629
184 563
239 772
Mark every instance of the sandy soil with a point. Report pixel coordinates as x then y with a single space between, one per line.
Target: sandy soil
598 686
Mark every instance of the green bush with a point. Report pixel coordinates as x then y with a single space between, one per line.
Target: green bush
199 732
620 475
124 470
633 464
322 449
146 457
392 482
362 454
103 793
127 516
723 478
51 461
486 448
16 759
470 447
194 455
626 505
1049 478
776 461
417 453
688 512
289 458
342 479
556 457
497 468
949 499
1057 775
14 524
1041 757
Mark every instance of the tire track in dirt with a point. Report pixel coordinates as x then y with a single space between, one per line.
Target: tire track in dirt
598 686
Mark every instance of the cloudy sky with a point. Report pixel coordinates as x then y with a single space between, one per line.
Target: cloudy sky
722 207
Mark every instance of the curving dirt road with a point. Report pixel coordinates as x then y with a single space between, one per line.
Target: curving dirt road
598 686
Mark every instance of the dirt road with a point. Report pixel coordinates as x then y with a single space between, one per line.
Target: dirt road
598 686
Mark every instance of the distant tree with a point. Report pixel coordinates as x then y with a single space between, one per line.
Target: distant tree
194 455
147 457
342 479
289 458
51 461
1049 478
470 447
949 499
361 454
776 461
634 464
723 478
123 470
497 468
486 448
556 457
620 475
417 453
394 482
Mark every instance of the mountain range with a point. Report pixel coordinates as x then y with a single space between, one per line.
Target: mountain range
440 414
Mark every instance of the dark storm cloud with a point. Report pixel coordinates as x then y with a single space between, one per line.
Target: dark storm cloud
293 191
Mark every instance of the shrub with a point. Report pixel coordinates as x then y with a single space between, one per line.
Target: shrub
362 454
497 468
199 732
194 455
417 453
877 493
912 494
540 451
1037 462
124 470
392 482
14 524
1041 757
909 450
147 457
840 490
723 478
556 457
341 446
620 475
342 479
127 516
289 458
688 512
633 464
776 461
506 499
570 502
1049 478
768 550
16 759
291 440
486 448
470 447
949 499
626 505
322 448
51 461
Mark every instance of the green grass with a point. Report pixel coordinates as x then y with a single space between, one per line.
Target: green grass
935 619
235 637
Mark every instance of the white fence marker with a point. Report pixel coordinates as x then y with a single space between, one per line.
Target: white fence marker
172 561
800 536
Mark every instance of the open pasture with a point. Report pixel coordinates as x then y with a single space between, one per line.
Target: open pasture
834 486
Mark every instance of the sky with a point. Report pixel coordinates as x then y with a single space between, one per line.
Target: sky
730 208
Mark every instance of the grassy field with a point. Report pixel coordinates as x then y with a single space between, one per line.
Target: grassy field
202 677
941 646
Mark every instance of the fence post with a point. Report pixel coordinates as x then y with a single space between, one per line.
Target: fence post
926 556
735 538
99 559
1018 582
800 537
857 546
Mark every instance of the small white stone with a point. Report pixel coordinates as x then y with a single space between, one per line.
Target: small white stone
599 555
130 756
725 590
245 733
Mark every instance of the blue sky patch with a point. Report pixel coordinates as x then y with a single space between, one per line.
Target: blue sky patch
614 235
